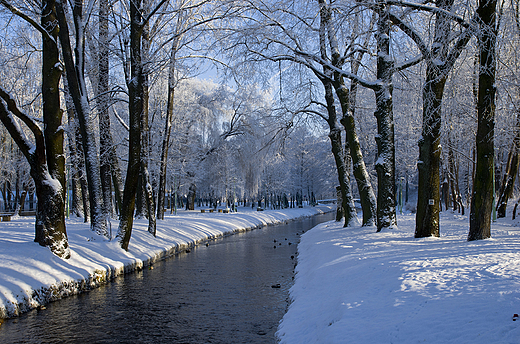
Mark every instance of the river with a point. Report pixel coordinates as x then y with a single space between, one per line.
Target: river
232 290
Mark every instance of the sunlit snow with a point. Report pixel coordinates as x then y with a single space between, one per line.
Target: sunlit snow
353 285
357 286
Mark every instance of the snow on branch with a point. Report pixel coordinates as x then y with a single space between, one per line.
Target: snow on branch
121 120
409 63
13 126
432 9
28 19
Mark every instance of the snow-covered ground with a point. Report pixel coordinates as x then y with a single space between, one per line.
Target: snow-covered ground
357 286
31 276
352 285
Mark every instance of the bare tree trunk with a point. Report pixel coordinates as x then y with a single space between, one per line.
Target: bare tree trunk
136 108
46 156
147 190
79 183
190 201
482 197
105 135
117 179
366 192
82 175
428 199
513 162
77 88
167 130
349 209
50 217
385 164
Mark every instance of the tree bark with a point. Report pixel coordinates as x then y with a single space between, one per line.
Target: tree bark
385 163
80 206
349 209
508 182
149 202
428 199
105 135
78 92
136 108
190 201
50 228
167 130
482 197
366 192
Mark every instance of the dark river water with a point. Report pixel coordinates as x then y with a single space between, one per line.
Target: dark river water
236 290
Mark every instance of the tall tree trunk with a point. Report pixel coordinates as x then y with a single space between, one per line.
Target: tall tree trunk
482 197
82 176
366 192
453 168
145 130
428 199
349 210
385 163
136 108
513 162
45 156
117 179
52 113
79 183
105 135
50 218
77 87
167 129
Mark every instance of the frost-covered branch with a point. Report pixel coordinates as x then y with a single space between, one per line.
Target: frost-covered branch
31 124
409 63
28 19
121 120
432 9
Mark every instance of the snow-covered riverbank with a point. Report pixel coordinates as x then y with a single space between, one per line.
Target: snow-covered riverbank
357 286
31 276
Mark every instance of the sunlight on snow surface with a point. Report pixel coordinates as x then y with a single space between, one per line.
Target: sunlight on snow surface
352 285
357 286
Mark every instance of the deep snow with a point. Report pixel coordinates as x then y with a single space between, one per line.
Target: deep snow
356 286
352 285
31 276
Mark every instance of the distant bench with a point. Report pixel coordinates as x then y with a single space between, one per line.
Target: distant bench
6 216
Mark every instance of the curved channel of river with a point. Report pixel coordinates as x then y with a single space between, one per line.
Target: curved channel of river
235 290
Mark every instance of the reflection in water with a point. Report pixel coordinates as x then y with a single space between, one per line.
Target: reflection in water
222 293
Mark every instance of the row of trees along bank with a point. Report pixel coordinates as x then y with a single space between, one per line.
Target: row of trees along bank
291 66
